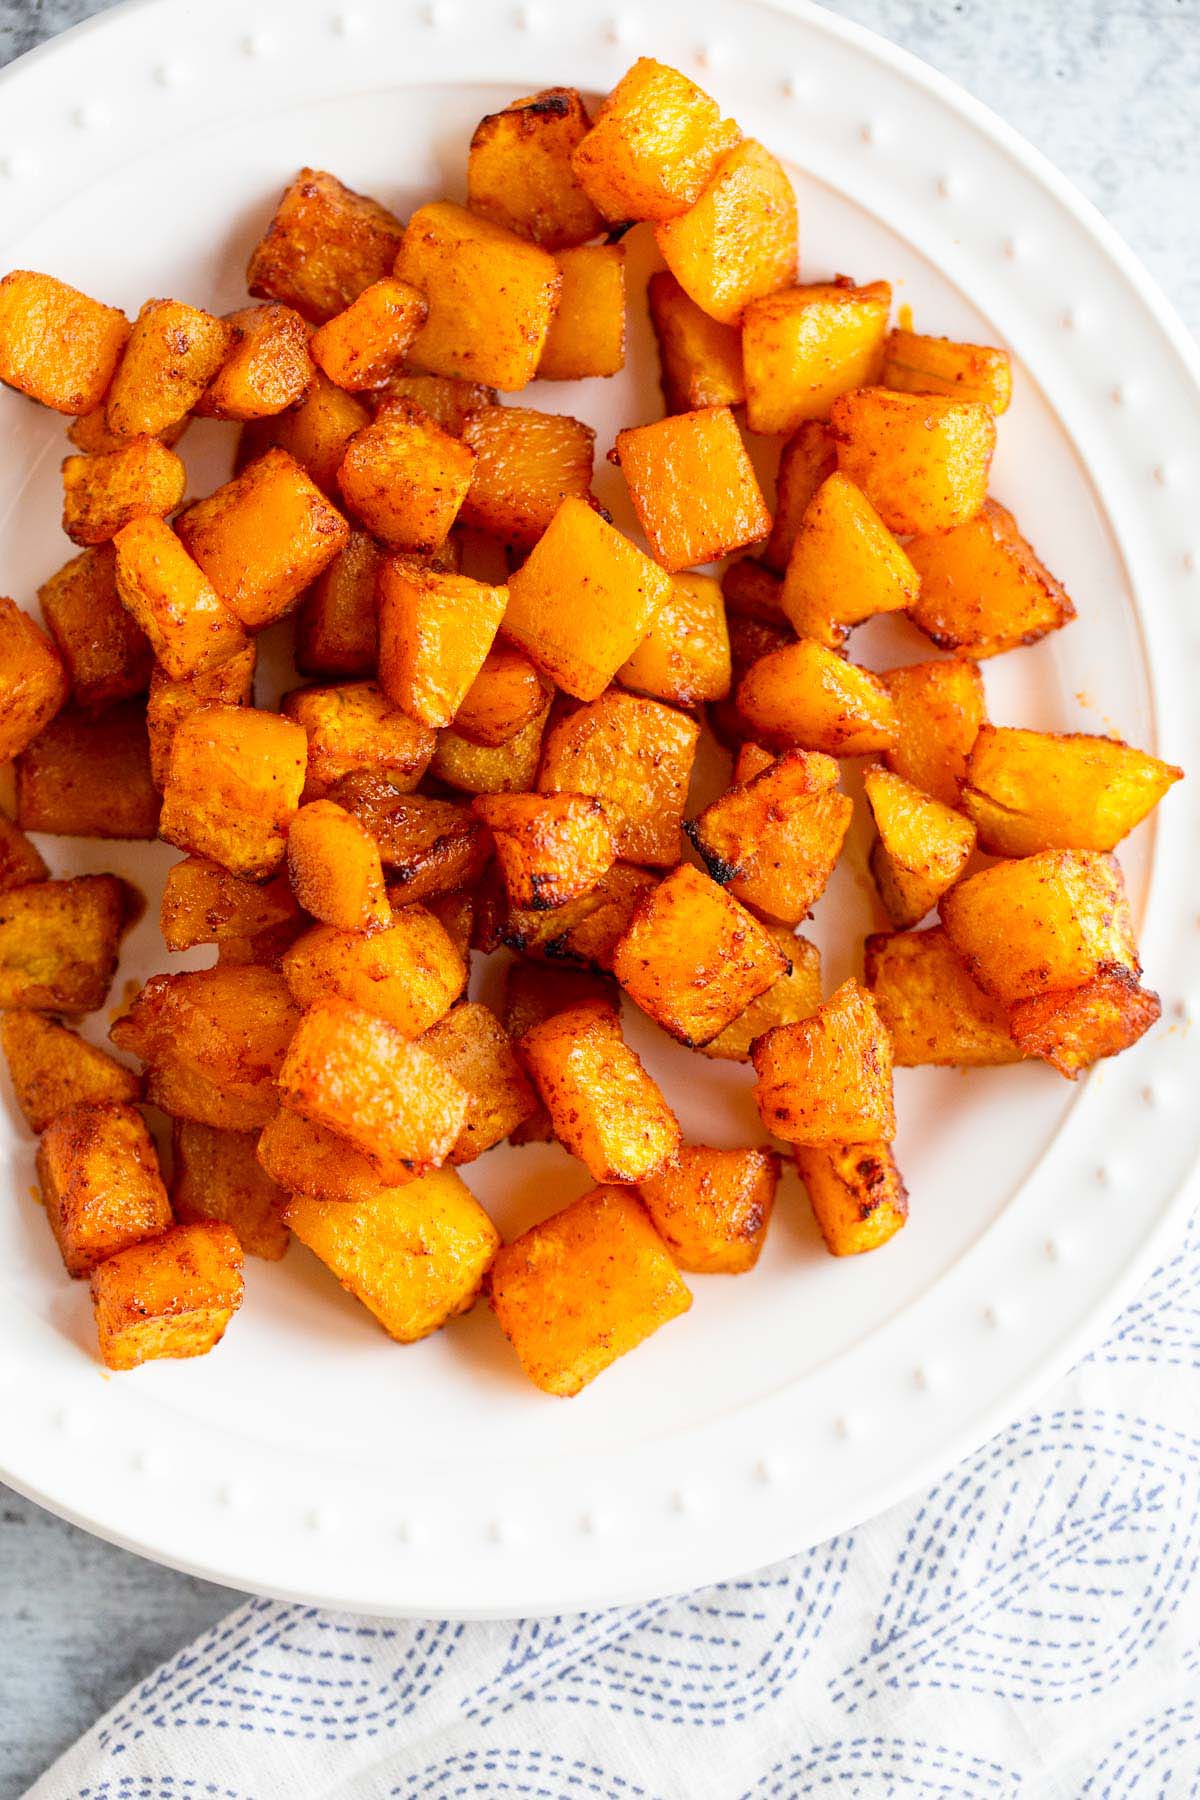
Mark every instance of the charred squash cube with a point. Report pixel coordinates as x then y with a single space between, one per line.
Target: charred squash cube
53 1069
700 360
59 942
983 589
415 1256
405 478
306 1159
587 333
1073 1028
922 461
428 846
921 850
655 143
315 432
102 493
409 973
845 566
712 1208
57 786
584 1287
170 1296
474 1047
507 768
337 626
519 171
434 632
173 352
774 837
795 995
203 903
362 346
234 781
584 930
354 728
806 461
219 1177
1046 790
806 345
505 697
33 682
604 1107
267 369
636 756
914 364
858 1198
693 487
939 708
934 1011
100 1181
551 847
174 603
739 241
828 1079
57 345
526 462
228 684
808 696
491 296
324 245
684 658
104 650
334 868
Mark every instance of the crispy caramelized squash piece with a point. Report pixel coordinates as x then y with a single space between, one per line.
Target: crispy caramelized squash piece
20 860
526 463
828 1079
636 756
712 1208
1073 1028
795 995
519 171
845 566
353 728
939 709
324 245
218 1176
53 1069
447 399
1048 790
934 1011
170 702
314 432
807 696
428 846
472 1044
56 344
103 493
534 991
983 589
337 626
435 631
551 848
684 658
804 346
856 1192
409 973
404 478
172 354
203 903
234 782
267 369
302 1158
739 241
59 941
334 868
913 364
104 651
33 682
604 1107
507 768
693 487
655 143
171 1296
168 595
100 1181
774 837
921 850
922 461
57 786
361 347
505 697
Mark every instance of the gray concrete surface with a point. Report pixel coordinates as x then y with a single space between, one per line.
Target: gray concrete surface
1107 88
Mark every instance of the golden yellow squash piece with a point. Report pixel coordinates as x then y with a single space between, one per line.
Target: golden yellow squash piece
739 240
33 682
939 709
314 432
921 850
324 245
267 368
684 657
934 1012
337 625
505 697
218 1176
174 603
302 1158
170 702
807 696
409 973
363 346
52 1069
526 462
352 729
913 364
103 493
654 145
98 1172
693 487
922 461
57 345
173 352
203 903
233 783
57 789
604 1107
59 941
404 478
507 768
587 333
472 1044
435 631
1047 790
712 1208
828 1079
636 756
700 360
171 1296
774 837
845 566
519 171
983 589
804 346
104 651
858 1198
806 461
334 868
795 995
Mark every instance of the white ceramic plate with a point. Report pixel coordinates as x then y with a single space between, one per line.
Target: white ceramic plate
311 1457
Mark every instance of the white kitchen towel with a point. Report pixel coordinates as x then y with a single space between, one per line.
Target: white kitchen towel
1030 1625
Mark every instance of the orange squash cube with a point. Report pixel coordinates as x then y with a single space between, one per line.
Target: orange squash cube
536 991
584 930
405 478
337 626
362 346
1049 790
233 783
939 709
795 995
551 847
171 599
587 333
806 345
526 463
922 847
508 768
434 632
172 1296
267 369
808 696
700 360
306 1159
654 145
615 592
334 868
59 941
33 682
583 1287
263 537
428 846
100 1181
693 487
57 786
324 245
507 695
415 1256
1073 1028
806 461
102 493
856 1192
604 1107
228 684
203 903
684 657
474 1047
983 588
845 566
913 364
519 171
408 973
20 861
57 345
354 727
636 756
105 653
53 1070
739 241
173 352
828 1079
933 1010
693 958
491 296
446 399
314 432
775 836
218 1176
922 461
712 1208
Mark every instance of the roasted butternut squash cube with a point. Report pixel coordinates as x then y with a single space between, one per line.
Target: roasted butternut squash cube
228 684
712 1208
508 768
434 632
636 756
172 600
324 245
88 777
939 709
213 1041
362 346
57 345
774 837
693 487
415 1256
808 696
551 847
983 588
173 352
102 493
33 682
914 364
1049 790
583 1287
104 651
100 1181
233 783
934 1011
804 346
353 727
845 566
1073 1028
354 1073
306 1159
409 973
314 432
922 461
218 1176
533 992
472 1044
446 399
827 1079
684 657
337 626
519 171
526 463
53 1069
428 846
263 538
584 930
92 435
267 369
700 360
334 868
604 1107
491 296
795 995
59 941
203 903
587 333
172 1296
507 695
693 958
654 145
20 860
922 847
856 1192
615 592
1042 923
405 478
739 241
806 462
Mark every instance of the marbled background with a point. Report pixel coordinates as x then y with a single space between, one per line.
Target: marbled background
1110 90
